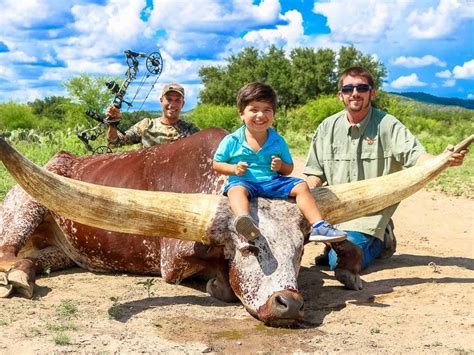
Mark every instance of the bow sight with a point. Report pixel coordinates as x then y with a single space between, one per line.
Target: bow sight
154 66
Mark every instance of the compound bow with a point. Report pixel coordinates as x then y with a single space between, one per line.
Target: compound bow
154 66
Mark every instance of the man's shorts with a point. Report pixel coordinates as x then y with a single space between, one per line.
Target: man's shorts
279 187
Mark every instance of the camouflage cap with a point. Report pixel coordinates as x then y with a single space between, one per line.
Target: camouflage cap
172 87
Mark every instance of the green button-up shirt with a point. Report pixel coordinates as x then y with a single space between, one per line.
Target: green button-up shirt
378 145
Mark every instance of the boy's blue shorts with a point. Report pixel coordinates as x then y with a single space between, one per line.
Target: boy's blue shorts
279 187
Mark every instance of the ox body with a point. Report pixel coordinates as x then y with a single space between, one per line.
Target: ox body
34 238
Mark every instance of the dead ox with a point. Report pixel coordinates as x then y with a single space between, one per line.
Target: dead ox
158 211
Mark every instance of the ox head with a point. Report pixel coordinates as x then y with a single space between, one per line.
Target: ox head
263 275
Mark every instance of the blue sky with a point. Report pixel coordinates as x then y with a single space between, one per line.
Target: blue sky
426 45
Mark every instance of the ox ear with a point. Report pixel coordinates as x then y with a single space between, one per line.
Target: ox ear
164 214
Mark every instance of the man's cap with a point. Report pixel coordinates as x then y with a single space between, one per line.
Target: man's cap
172 87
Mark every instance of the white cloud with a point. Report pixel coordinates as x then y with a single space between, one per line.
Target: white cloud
440 21
407 81
415 62
212 15
358 20
445 74
287 36
103 29
466 71
449 83
470 96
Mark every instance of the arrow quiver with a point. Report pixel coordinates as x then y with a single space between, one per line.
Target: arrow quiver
154 66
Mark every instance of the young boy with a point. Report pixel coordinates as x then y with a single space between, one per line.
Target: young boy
256 158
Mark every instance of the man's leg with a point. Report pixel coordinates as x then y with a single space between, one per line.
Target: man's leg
371 248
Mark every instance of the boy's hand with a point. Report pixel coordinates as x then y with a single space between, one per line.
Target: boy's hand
241 168
276 164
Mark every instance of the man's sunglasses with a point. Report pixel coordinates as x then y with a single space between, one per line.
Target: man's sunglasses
348 89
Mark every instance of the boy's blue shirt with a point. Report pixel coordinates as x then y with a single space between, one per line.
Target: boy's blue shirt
234 148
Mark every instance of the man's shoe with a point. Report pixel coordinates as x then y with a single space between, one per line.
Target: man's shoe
325 232
245 226
389 242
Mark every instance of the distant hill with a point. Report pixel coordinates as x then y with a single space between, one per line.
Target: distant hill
431 99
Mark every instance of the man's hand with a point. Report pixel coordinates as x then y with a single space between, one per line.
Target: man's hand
456 159
113 113
276 164
314 181
240 168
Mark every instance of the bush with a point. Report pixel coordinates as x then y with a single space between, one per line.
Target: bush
15 116
210 115
305 119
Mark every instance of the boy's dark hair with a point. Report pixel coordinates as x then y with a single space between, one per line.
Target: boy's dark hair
356 71
258 92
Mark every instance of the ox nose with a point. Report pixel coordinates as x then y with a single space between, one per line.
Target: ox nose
286 306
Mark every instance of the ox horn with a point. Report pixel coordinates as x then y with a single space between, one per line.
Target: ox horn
340 203
175 215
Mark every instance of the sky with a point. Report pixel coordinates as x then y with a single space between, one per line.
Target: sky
426 45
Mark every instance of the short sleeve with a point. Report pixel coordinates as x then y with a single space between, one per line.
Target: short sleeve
222 153
406 148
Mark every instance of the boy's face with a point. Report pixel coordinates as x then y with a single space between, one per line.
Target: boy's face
257 116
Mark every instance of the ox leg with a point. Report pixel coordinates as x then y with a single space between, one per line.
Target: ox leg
349 264
21 215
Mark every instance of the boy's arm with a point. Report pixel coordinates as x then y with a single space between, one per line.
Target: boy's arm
280 167
230 169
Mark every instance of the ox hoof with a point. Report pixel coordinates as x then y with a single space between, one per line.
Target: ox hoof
19 280
225 294
5 287
5 290
348 279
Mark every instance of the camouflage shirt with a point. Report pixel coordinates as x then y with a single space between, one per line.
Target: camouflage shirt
150 131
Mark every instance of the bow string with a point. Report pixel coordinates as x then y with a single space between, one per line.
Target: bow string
153 65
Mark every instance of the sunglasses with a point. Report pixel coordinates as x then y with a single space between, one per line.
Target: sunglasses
348 89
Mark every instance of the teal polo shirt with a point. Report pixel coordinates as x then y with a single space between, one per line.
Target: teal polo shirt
234 149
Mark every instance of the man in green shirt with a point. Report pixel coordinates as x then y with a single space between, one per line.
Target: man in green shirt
150 131
360 143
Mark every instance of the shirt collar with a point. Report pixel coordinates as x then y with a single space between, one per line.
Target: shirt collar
240 135
361 125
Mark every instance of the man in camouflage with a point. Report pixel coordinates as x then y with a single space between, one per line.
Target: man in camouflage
151 131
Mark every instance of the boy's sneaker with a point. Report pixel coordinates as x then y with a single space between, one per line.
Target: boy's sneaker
245 226
325 232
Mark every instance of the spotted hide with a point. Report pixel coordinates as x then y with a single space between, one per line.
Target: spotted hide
262 276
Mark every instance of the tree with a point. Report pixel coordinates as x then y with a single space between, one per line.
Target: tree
312 73
303 76
54 107
350 56
89 91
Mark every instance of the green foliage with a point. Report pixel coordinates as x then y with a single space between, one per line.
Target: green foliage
61 339
209 115
147 284
39 147
306 118
89 91
116 310
303 75
350 56
15 116
66 309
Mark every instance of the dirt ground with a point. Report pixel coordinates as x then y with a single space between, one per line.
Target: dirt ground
419 301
